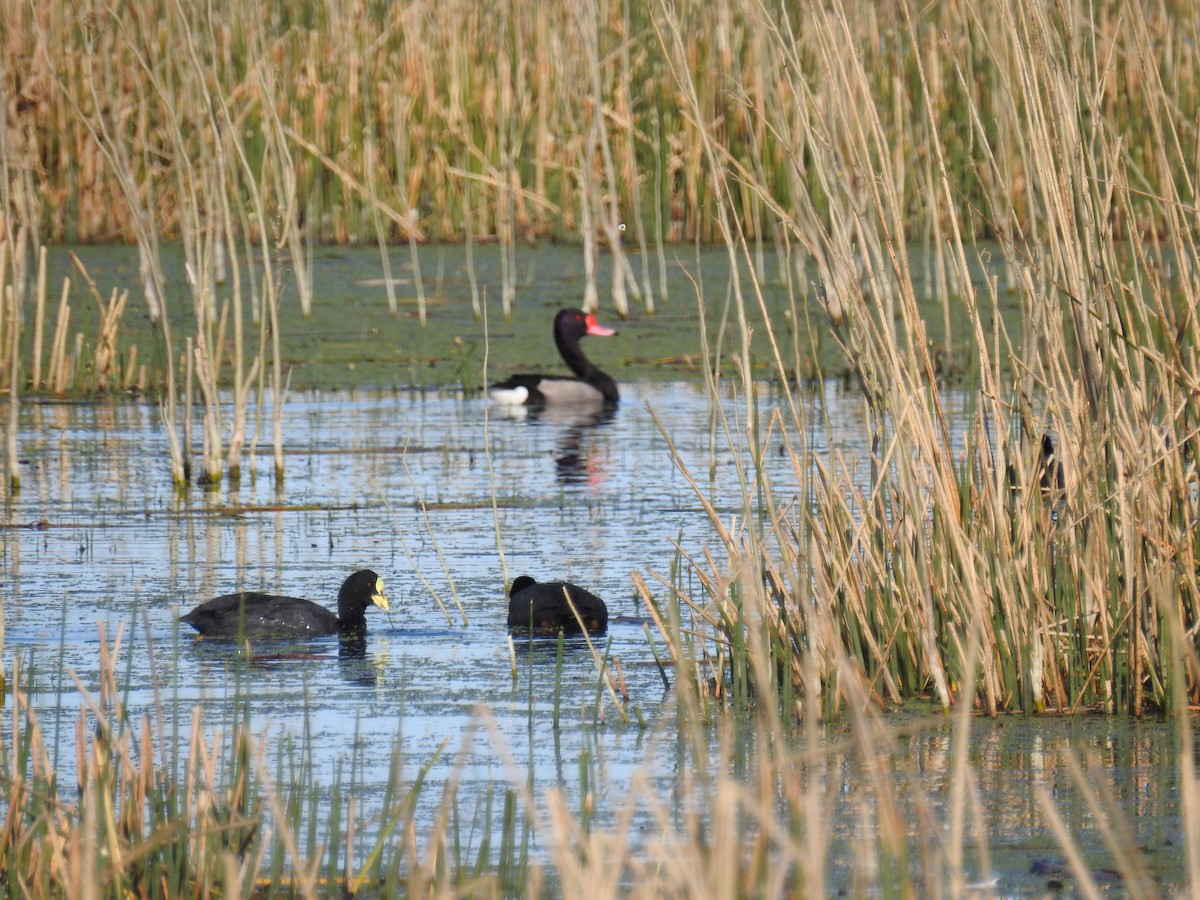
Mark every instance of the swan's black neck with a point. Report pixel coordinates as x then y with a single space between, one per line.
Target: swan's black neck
585 370
568 349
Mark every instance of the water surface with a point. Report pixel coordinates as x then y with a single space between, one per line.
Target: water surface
98 542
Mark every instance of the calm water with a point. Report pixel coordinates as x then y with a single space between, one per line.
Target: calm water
403 483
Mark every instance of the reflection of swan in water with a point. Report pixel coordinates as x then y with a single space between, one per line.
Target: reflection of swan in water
578 415
573 462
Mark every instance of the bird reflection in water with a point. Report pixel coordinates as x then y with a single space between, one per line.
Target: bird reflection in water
575 462
359 667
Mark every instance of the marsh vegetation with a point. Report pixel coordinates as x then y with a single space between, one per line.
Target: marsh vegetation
1041 157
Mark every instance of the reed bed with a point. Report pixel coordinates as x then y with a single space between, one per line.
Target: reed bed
87 361
432 120
1056 541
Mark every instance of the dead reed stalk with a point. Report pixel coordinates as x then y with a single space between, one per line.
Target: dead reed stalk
12 308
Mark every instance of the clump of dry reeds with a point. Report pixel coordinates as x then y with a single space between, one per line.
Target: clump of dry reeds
92 364
1074 570
533 122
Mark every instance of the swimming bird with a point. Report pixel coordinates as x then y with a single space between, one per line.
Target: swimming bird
545 606
589 385
1049 468
253 614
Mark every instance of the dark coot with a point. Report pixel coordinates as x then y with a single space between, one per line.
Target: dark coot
545 606
1049 468
253 614
589 386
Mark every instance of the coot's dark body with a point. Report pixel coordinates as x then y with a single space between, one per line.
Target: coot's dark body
589 386
1049 468
545 605
1050 472
253 614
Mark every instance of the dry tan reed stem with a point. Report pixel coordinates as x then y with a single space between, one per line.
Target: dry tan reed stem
508 253
56 376
189 378
71 369
39 320
243 379
4 344
206 379
106 366
665 633
14 376
279 388
587 221
389 284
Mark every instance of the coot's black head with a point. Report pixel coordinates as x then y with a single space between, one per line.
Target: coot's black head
520 583
358 592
